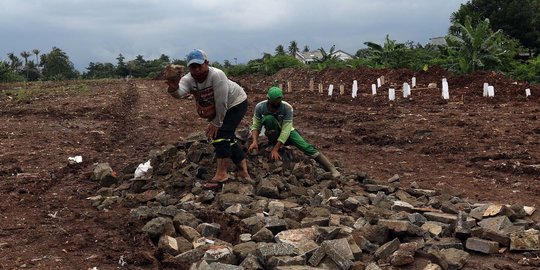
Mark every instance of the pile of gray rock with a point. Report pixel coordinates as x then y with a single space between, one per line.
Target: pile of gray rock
292 215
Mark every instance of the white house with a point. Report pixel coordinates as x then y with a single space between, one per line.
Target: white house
313 56
437 41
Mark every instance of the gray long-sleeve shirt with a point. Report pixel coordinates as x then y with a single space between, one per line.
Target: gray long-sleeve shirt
226 93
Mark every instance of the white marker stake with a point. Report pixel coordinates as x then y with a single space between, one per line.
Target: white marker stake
373 89
486 85
405 90
330 89
391 94
378 82
491 91
527 92
413 82
354 88
445 90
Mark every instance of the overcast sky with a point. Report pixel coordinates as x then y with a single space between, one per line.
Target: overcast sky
99 30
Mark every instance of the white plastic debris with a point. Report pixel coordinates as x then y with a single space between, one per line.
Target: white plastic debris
330 89
121 261
413 82
143 169
373 89
75 159
486 85
527 92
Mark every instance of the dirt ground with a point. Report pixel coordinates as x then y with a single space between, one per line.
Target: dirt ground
485 149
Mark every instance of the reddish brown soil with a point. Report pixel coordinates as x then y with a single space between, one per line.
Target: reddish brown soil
471 146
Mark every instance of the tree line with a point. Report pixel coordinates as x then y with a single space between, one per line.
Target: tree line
484 35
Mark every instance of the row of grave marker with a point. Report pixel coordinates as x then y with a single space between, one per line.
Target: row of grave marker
489 90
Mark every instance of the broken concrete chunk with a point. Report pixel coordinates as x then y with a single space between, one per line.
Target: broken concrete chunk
267 250
274 262
159 226
267 189
432 266
318 221
218 253
402 206
404 255
375 188
251 263
334 251
263 235
209 229
455 258
243 250
462 230
168 244
529 210
498 237
525 240
495 223
275 225
387 249
317 256
189 233
445 243
341 246
373 266
482 245
435 228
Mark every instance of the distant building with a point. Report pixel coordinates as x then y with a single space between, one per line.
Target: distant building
313 56
437 41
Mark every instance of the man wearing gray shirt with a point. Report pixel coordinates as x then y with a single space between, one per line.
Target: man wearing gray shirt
223 103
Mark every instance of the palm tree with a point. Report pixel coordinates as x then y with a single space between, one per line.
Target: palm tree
280 50
36 52
15 63
475 47
293 48
25 55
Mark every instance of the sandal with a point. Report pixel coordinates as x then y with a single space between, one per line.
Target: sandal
212 186
215 184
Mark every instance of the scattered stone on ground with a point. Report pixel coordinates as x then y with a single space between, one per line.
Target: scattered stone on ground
290 216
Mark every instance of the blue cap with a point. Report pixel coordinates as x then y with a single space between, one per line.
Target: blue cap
196 57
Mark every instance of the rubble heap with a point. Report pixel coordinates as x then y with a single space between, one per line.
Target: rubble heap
292 215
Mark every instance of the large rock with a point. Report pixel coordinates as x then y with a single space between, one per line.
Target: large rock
159 226
104 175
525 240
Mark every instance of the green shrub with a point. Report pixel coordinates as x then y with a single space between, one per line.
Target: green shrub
529 71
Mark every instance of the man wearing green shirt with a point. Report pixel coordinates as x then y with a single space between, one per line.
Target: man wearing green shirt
276 116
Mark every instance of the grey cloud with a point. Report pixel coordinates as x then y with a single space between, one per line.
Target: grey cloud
99 30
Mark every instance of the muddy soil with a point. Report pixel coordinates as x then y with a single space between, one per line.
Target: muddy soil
486 149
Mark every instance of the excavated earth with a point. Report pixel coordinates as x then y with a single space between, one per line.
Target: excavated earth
472 147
